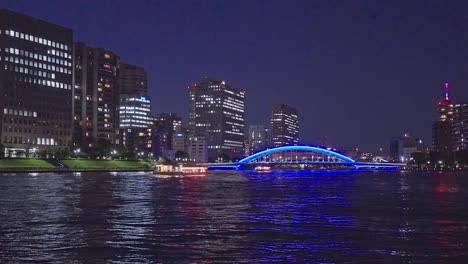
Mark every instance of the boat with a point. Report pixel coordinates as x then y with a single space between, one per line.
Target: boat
263 168
190 170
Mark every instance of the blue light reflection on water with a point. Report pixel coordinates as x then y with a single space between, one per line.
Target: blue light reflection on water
337 217
287 224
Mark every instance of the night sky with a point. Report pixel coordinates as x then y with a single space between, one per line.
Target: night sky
358 72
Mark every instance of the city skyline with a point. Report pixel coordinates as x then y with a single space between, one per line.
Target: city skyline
397 59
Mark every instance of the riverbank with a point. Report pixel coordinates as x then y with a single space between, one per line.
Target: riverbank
40 165
24 163
63 170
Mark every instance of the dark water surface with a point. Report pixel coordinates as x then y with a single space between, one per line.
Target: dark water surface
400 217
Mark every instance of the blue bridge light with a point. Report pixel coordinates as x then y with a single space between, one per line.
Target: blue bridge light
297 148
343 160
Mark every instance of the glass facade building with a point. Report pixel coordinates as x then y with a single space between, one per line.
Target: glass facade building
135 112
136 123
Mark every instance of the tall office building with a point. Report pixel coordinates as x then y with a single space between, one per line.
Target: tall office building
258 138
284 125
35 83
460 127
442 127
135 121
133 80
96 96
216 112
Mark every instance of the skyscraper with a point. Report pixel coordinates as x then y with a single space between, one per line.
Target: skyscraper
135 121
460 127
216 111
442 127
96 96
35 83
259 138
284 125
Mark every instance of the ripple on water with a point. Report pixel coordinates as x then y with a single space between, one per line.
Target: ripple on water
137 217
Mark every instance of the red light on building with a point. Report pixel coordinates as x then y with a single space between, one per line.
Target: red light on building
439 103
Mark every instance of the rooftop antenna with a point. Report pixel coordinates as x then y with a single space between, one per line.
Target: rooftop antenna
446 92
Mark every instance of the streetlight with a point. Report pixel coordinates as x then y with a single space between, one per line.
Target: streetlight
114 152
76 151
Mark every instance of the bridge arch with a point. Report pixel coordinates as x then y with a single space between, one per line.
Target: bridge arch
266 152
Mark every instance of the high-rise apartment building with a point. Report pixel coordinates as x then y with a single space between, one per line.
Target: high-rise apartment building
259 138
35 83
284 125
460 127
96 96
442 127
216 112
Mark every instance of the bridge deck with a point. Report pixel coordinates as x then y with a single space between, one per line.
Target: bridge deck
356 165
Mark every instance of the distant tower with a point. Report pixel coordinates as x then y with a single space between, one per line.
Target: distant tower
447 92
442 127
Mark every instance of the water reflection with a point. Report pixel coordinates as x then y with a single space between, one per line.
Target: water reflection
448 228
299 216
234 217
34 214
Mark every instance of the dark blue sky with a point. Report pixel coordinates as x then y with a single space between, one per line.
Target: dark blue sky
358 71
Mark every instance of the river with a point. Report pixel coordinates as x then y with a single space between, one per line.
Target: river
136 217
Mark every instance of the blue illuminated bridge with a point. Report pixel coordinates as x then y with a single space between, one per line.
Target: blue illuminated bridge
301 158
